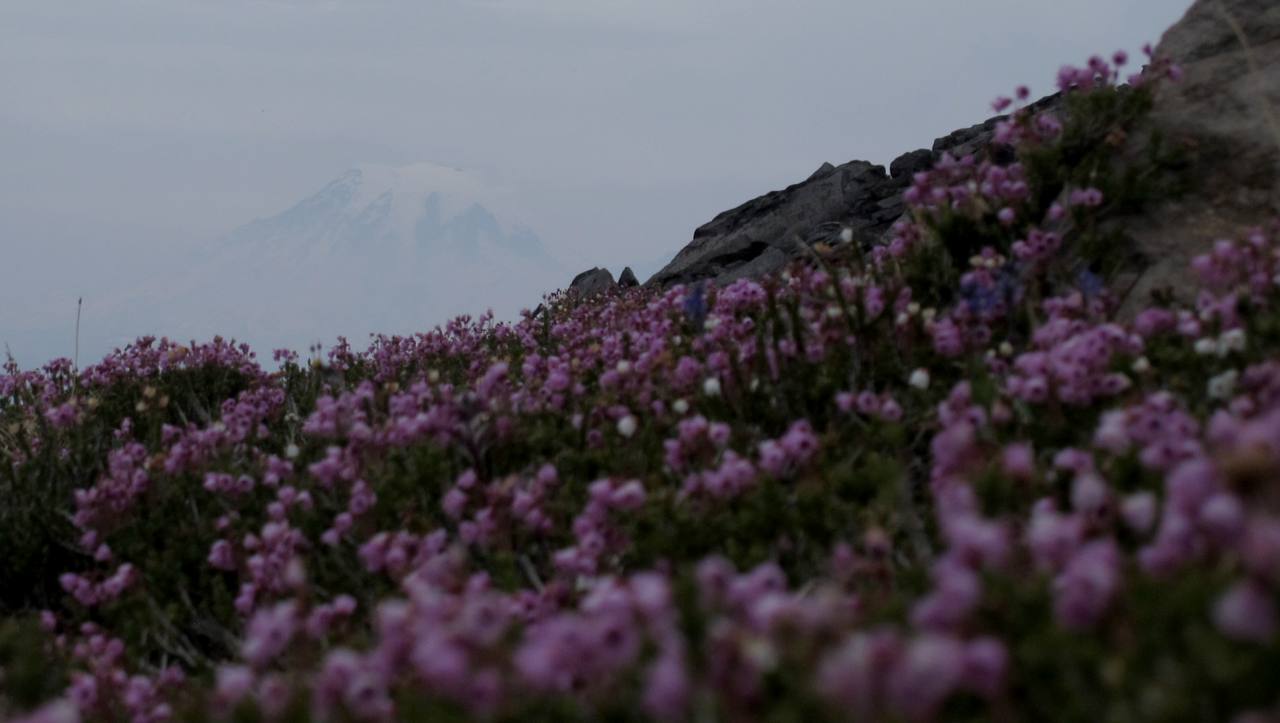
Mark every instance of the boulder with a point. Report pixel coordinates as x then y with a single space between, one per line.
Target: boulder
627 278
1225 112
592 282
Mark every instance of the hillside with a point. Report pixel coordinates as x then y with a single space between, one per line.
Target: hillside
1010 450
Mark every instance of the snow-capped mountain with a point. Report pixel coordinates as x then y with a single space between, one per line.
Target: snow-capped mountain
425 209
377 250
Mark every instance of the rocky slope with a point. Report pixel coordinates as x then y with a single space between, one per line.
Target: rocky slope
1222 114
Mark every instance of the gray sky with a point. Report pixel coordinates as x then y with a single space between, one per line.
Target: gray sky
133 130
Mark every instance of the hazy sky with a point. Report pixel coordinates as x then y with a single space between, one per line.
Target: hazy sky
132 129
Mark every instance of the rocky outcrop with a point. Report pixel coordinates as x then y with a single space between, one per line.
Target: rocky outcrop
762 234
592 282
853 203
1226 112
627 279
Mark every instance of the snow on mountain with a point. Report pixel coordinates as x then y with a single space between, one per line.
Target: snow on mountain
422 208
377 250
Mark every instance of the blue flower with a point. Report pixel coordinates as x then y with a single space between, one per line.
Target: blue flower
695 303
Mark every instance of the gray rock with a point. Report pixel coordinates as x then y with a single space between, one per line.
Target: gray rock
628 278
592 282
762 234
826 169
857 201
911 163
1226 115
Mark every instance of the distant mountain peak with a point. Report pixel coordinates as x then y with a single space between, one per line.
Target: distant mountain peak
425 209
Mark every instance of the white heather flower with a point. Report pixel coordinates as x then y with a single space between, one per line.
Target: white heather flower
835 312
755 384
760 652
1230 341
295 573
627 426
292 451
902 319
1206 316
624 367
929 314
1276 279
1222 386
919 379
1006 349
711 387
680 406
433 376
576 421
913 308
1205 346
677 340
846 235
1141 365
711 323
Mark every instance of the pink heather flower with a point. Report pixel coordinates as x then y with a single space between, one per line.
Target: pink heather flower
713 575
630 496
947 339
956 593
220 556
845 401
986 665
1083 592
773 458
269 633
867 403
232 684
800 443
977 541
930 670
853 676
1019 461
890 410
60 710
1139 511
454 503
1087 197
1222 516
1247 612
667 688
719 434
1189 485
873 301
1089 494
1007 216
